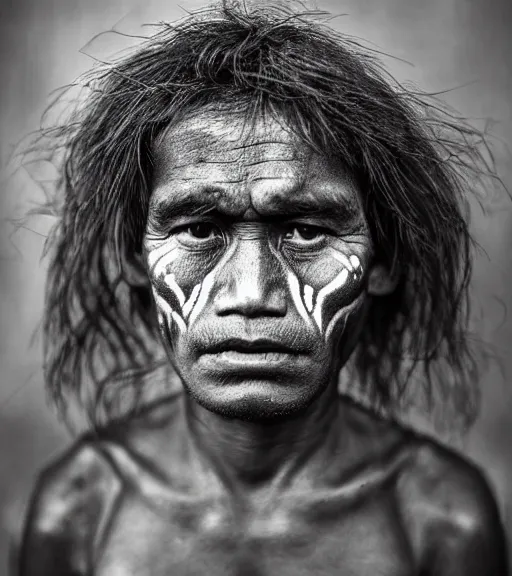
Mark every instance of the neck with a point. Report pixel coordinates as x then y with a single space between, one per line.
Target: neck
251 455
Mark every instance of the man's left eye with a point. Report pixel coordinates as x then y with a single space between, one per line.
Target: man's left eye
304 234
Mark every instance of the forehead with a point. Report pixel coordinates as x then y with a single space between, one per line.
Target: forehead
220 158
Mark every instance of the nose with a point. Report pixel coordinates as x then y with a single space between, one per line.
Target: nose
253 282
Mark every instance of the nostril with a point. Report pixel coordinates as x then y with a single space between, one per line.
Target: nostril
256 299
248 305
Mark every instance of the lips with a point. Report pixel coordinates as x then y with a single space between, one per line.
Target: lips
259 346
256 356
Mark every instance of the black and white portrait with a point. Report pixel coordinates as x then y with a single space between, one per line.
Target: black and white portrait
255 280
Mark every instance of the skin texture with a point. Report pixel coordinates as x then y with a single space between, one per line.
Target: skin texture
261 266
252 236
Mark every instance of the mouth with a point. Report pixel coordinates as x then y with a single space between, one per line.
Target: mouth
247 347
250 354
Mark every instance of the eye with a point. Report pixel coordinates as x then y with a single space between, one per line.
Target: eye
304 234
203 230
198 233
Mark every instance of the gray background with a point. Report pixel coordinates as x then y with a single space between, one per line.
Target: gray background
461 44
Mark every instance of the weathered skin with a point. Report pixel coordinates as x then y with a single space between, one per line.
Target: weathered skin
259 467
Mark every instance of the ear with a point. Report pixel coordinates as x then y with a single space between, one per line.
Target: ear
381 281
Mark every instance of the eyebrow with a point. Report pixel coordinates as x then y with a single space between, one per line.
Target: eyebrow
178 208
339 210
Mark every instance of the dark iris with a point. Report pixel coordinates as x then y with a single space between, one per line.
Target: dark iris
308 232
202 230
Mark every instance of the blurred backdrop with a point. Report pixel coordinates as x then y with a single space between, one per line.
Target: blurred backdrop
462 46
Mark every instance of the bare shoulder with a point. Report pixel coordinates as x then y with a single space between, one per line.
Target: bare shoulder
447 487
450 510
75 496
445 503
441 484
69 506
69 484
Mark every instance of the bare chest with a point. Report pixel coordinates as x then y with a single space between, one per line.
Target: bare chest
364 539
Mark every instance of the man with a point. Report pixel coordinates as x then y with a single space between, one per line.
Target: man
249 187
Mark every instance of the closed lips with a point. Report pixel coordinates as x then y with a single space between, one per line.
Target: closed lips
259 346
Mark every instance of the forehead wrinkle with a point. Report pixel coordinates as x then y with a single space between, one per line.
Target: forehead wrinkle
270 166
232 172
257 162
308 196
170 203
209 137
221 153
202 130
234 161
210 181
224 167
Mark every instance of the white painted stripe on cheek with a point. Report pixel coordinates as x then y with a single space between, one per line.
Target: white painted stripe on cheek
293 283
308 297
342 259
204 294
294 286
338 282
161 253
355 261
179 321
207 285
166 309
187 307
171 282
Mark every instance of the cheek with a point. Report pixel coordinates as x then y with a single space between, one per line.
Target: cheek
179 279
170 322
331 285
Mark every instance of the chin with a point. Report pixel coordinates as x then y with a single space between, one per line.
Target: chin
255 401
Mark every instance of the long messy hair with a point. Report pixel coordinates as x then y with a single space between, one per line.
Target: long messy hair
416 164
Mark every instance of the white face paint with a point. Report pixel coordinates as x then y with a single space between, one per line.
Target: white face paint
308 297
253 238
186 308
309 303
315 303
167 314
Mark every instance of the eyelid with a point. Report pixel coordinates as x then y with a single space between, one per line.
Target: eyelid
187 222
303 245
197 243
321 228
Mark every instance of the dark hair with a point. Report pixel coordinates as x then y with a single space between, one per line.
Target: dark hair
416 164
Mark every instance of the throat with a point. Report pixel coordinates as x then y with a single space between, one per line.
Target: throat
249 456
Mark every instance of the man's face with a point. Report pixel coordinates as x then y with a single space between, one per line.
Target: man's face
258 254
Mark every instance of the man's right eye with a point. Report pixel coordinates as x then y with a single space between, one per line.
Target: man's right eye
202 231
